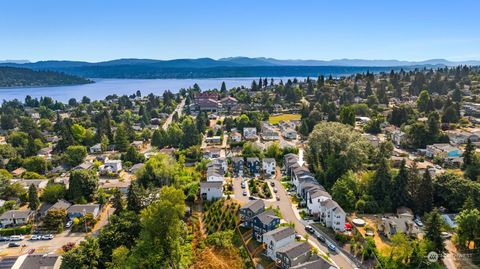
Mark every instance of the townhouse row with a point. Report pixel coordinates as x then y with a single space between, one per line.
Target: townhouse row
318 201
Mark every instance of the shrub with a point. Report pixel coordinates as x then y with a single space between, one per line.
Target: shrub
27 229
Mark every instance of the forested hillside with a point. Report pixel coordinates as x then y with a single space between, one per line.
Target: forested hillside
21 77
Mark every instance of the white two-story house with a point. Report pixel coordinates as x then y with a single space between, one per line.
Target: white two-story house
276 239
250 133
332 215
268 166
314 199
211 190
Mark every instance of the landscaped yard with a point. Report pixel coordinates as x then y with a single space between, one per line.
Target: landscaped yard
285 117
259 188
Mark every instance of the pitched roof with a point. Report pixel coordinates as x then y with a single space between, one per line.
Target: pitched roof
254 205
74 209
19 214
294 249
280 233
318 192
319 263
211 184
267 216
269 160
61 204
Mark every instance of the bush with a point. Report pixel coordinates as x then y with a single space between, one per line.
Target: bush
27 229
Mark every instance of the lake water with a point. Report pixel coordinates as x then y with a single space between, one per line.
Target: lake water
103 87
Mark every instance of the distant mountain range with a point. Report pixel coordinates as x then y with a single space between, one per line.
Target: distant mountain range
224 67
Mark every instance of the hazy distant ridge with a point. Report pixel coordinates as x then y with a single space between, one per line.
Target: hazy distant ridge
233 61
225 67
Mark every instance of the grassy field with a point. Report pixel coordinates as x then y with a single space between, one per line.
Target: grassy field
285 117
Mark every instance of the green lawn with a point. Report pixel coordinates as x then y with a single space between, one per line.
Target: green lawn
284 117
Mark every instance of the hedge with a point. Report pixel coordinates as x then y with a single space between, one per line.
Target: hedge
27 229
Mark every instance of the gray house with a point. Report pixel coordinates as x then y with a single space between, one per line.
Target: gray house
293 254
250 210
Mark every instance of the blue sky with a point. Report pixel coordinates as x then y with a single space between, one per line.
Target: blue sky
96 30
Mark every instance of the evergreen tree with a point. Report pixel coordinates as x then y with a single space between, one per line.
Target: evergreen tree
368 89
433 232
117 202
433 127
191 136
223 88
134 198
422 101
451 115
381 185
400 187
468 154
121 138
254 85
424 199
202 121
33 201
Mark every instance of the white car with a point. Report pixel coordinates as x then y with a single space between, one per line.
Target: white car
36 237
17 237
69 224
47 237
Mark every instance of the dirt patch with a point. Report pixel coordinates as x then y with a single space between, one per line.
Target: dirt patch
217 258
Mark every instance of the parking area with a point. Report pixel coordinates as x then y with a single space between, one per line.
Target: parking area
41 246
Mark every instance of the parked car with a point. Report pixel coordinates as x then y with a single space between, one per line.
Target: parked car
309 229
446 235
252 198
13 245
4 238
17 237
244 193
278 198
272 184
320 237
35 237
331 247
69 224
418 222
275 190
47 237
298 237
243 185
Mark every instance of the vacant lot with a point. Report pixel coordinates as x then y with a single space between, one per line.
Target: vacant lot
285 117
